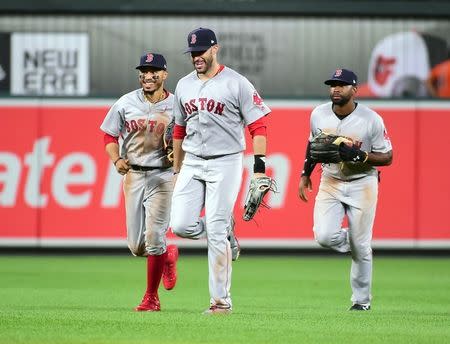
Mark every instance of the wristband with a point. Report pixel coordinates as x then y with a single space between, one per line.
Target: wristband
308 167
115 162
260 164
309 164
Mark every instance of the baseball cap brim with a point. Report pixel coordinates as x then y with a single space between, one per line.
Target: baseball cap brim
149 65
202 48
330 81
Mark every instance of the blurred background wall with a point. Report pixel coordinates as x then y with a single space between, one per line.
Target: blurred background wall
286 48
62 65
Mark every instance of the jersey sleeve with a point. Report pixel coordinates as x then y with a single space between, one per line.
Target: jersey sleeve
380 139
178 109
114 120
252 105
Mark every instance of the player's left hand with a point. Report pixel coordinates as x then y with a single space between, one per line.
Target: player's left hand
260 185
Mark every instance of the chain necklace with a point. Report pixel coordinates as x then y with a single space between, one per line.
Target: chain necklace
150 100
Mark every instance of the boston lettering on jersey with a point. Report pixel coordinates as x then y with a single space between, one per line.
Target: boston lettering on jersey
143 124
210 105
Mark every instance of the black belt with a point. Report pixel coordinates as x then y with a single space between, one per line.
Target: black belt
352 180
146 168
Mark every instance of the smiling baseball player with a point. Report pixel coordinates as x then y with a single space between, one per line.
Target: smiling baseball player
212 106
349 183
139 118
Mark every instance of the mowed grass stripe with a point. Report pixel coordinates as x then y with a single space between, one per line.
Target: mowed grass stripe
89 299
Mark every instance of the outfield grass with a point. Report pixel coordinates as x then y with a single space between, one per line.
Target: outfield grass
276 300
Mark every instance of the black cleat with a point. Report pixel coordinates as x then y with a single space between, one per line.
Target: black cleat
358 307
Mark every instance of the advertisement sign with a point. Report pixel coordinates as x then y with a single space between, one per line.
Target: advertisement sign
58 186
50 64
4 62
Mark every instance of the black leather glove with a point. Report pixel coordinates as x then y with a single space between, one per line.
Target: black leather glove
351 153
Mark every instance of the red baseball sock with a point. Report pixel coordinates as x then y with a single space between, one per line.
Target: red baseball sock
155 267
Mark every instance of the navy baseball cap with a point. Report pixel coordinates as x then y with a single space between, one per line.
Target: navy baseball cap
201 39
152 60
343 75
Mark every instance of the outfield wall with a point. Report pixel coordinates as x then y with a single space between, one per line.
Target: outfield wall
58 188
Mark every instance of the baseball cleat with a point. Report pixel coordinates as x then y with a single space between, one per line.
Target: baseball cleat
214 309
358 307
169 276
149 303
234 243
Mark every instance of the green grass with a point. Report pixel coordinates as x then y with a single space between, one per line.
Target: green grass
53 299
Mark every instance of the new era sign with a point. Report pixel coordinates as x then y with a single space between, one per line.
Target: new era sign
50 64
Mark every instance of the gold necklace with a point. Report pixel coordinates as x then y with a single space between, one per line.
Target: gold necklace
150 100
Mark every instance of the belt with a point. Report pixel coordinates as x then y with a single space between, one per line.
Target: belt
146 168
352 180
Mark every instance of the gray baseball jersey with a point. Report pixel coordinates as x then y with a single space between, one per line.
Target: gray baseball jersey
350 189
216 111
364 127
148 194
141 126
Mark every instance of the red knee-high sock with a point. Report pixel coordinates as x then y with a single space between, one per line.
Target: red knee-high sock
155 267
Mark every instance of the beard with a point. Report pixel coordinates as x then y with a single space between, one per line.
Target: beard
207 63
340 102
152 85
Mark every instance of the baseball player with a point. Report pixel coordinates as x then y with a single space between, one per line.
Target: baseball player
139 119
212 106
350 187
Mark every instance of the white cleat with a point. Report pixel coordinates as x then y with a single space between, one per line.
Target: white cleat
213 310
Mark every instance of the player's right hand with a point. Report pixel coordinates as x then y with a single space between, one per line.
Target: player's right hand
122 166
305 184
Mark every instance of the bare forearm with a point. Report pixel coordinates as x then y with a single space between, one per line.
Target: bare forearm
112 149
380 159
259 145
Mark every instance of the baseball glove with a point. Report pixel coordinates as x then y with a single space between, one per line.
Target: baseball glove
259 187
168 140
325 148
